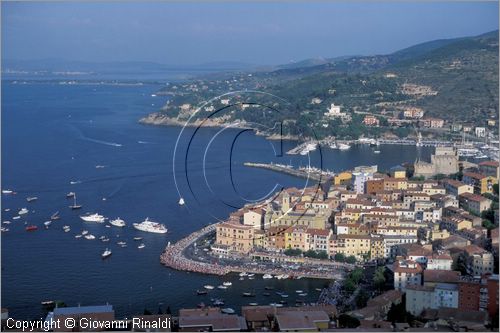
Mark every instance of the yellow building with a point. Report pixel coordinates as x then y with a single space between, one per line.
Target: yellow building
342 178
296 238
377 248
398 172
237 237
481 183
353 245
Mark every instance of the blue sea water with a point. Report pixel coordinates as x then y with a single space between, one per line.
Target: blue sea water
54 134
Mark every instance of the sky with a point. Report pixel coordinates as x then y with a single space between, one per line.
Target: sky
256 33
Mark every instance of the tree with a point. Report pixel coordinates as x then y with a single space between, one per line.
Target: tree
339 257
351 260
379 278
293 252
349 285
356 275
346 321
362 298
398 314
460 264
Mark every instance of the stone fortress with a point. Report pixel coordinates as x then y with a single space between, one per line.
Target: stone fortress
443 161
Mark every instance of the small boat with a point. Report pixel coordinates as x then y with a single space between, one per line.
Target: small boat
6 222
253 304
137 238
269 288
6 210
47 303
4 229
93 218
100 166
376 151
201 292
251 278
343 146
84 232
299 291
303 294
7 191
105 240
102 237
227 284
106 253
277 305
70 195
284 295
209 287
266 294
221 287
242 278
30 199
201 305
181 202
47 223
228 311
267 276
118 222
243 274
78 236
16 217
107 226
75 205
73 182
121 243
90 237
23 211
31 228
55 216
218 302
319 289
141 246
248 294
66 227
251 275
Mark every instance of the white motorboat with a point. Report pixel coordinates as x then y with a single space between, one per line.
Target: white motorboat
227 284
47 223
221 287
84 232
106 253
30 199
6 222
181 201
243 274
4 229
376 151
78 236
67 229
70 195
16 217
7 191
137 238
89 237
267 276
6 210
121 243
118 222
209 287
227 311
150 226
93 218
343 146
141 246
23 211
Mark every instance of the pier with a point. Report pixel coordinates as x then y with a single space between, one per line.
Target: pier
308 173
174 256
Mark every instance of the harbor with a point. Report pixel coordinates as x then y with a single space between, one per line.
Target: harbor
178 256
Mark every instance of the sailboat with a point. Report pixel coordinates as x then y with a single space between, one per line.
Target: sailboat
75 206
181 201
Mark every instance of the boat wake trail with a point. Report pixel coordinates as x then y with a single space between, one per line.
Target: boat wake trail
114 144
146 143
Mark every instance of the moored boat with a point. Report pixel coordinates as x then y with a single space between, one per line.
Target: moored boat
31 228
227 284
141 246
118 222
209 287
93 218
150 226
23 211
228 311
106 253
30 199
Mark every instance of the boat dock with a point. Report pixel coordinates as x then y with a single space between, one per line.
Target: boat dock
174 256
308 173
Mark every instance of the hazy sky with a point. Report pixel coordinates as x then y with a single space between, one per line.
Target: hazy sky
258 33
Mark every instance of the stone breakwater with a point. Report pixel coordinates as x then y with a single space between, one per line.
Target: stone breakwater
174 257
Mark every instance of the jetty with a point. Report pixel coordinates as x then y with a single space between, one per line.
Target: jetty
174 256
308 173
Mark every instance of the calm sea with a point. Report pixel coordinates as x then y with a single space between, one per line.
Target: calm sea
55 134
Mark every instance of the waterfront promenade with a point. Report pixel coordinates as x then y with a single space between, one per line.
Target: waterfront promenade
174 256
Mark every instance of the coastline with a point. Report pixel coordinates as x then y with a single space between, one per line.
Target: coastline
174 257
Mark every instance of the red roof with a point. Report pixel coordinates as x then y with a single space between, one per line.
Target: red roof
439 275
490 163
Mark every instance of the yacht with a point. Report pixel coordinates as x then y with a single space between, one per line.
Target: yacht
209 287
150 226
343 146
30 199
141 246
106 253
181 201
75 205
93 218
23 211
227 284
89 237
118 222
